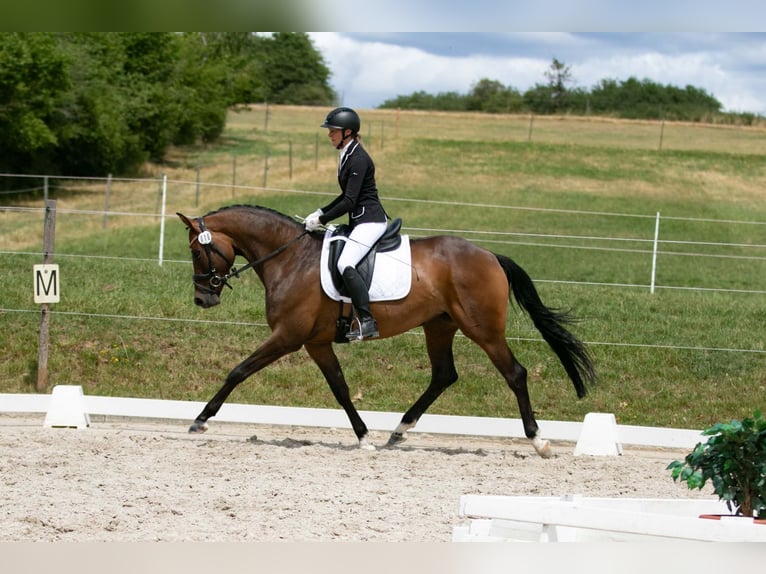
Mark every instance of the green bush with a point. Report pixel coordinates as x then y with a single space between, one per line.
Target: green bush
734 460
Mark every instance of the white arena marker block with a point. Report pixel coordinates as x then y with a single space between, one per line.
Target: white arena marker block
66 408
599 436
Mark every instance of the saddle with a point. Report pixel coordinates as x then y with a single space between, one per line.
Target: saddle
389 241
392 280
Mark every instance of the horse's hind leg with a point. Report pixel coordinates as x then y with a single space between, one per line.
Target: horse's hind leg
439 336
516 377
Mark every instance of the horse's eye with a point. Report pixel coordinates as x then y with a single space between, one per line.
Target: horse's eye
196 253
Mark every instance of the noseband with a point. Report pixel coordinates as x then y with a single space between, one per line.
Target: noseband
213 278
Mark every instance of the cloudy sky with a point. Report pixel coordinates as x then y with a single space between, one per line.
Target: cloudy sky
370 67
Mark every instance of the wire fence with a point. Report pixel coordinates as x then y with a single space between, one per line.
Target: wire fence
106 201
177 194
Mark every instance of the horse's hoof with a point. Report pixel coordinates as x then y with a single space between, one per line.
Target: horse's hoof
543 447
396 438
197 427
364 445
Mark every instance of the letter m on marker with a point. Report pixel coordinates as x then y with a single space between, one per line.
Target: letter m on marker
46 279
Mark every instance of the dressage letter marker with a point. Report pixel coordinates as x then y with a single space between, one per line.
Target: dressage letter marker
46 279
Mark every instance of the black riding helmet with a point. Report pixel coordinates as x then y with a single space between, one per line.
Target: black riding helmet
342 119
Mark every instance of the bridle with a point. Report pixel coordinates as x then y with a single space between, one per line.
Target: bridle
212 277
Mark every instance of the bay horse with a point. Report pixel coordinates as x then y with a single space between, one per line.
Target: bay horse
456 285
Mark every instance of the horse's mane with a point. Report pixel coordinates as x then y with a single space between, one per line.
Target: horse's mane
255 208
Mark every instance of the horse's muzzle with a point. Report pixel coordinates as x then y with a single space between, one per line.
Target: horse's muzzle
206 300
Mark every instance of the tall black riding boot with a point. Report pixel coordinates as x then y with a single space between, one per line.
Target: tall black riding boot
360 299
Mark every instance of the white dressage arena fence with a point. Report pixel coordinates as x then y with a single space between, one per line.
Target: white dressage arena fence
598 434
585 519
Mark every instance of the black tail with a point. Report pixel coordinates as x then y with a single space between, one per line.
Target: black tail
572 353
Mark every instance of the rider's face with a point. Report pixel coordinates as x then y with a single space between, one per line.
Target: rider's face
336 136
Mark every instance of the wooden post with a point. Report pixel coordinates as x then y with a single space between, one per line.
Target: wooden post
49 232
531 121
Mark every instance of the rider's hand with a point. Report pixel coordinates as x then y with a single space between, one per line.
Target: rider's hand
312 222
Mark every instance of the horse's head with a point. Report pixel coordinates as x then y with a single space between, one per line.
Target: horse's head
212 255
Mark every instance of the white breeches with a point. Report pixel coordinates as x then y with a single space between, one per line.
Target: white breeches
359 242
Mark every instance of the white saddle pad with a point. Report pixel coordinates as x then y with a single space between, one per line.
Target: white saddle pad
391 279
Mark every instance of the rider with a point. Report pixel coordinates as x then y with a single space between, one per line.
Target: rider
366 216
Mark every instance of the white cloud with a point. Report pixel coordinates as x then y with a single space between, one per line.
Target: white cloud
368 72
736 92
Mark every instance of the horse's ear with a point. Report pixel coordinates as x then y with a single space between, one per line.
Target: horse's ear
185 219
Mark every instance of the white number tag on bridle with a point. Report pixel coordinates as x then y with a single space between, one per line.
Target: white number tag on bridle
205 238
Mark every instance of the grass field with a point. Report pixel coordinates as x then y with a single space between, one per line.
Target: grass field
572 200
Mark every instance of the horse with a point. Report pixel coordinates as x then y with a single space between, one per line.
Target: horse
456 286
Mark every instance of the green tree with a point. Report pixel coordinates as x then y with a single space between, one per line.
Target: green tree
449 101
207 85
154 97
559 75
239 58
539 99
645 99
94 136
281 68
295 72
97 103
553 97
33 83
420 100
493 97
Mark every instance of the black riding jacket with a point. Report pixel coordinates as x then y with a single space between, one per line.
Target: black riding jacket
356 177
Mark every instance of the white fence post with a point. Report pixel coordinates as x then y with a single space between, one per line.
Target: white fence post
654 251
162 215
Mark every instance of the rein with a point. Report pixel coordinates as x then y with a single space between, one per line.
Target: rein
215 280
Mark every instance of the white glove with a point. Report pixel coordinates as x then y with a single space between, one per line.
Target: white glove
312 220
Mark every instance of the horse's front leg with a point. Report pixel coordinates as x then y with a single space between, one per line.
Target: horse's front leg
267 353
325 358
